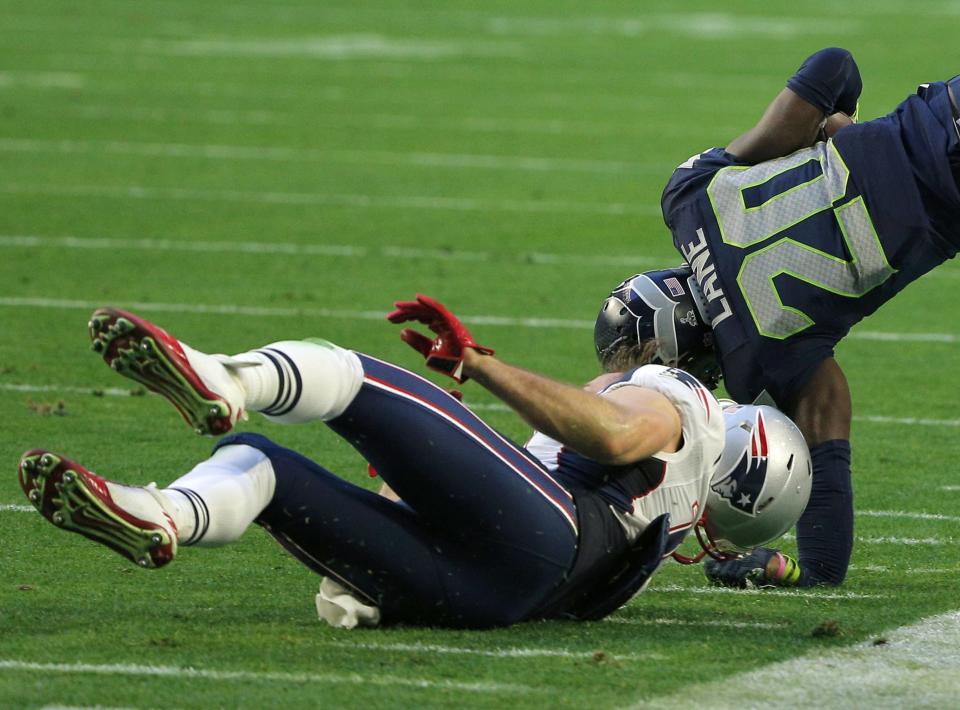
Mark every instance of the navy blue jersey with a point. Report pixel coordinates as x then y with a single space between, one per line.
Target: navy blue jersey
790 253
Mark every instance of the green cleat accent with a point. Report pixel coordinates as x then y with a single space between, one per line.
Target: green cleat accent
149 356
77 500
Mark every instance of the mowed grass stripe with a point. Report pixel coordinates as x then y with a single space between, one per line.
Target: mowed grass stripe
475 319
242 676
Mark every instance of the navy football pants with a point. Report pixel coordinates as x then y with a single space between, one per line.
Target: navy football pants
484 533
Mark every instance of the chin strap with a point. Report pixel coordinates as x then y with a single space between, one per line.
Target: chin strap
708 545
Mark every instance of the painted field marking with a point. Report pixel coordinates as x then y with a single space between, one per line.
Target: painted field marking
262 676
385 251
12 508
380 121
895 540
720 623
302 154
908 570
908 514
510 322
912 666
950 489
811 594
42 80
332 47
357 201
491 653
711 25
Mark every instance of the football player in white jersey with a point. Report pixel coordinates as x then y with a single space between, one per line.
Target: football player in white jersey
488 533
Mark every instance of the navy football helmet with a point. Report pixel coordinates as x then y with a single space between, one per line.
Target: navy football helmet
664 305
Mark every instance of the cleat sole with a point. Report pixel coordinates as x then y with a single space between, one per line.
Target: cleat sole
65 494
135 349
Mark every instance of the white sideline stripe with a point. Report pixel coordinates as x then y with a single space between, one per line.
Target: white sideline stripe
331 250
812 594
420 202
720 623
492 653
908 514
301 154
269 312
952 489
17 509
916 667
267 676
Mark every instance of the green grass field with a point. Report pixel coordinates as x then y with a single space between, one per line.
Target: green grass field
245 172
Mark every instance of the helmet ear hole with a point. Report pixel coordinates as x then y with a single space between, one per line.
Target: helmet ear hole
660 305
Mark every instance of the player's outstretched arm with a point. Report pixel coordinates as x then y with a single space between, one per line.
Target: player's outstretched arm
817 99
626 425
623 426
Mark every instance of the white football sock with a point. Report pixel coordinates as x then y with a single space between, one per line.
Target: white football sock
300 381
218 500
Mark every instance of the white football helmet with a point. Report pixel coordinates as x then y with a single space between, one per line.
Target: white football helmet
762 483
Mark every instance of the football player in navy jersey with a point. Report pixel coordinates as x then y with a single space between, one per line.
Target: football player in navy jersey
487 533
793 233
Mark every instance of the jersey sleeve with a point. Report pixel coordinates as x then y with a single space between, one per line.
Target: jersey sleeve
690 176
700 414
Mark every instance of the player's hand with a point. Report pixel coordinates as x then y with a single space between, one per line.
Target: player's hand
763 567
444 353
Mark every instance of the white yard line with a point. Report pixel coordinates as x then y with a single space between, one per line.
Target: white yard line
806 594
510 322
914 666
256 676
303 154
384 251
896 540
950 489
42 80
489 652
908 514
719 623
882 569
326 47
17 509
357 201
274 312
378 121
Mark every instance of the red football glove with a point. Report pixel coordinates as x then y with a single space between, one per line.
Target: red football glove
445 352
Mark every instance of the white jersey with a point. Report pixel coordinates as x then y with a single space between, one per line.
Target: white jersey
676 483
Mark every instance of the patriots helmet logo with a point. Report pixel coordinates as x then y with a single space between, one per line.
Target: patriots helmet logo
742 485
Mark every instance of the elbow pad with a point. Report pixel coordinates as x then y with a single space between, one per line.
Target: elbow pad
829 80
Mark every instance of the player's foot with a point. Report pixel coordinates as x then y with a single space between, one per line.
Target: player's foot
127 519
200 386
